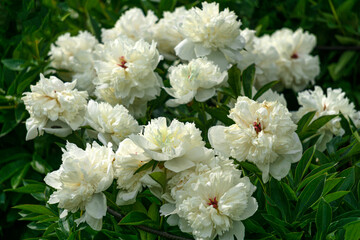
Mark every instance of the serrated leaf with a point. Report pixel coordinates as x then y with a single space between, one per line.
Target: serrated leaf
248 76
303 164
323 219
135 218
36 209
264 88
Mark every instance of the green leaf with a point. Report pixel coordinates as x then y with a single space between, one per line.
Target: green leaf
335 196
30 188
248 76
305 121
314 174
352 231
159 177
234 80
10 169
153 212
14 64
311 193
331 183
167 5
16 180
135 218
36 209
146 166
323 219
315 126
219 114
264 88
303 164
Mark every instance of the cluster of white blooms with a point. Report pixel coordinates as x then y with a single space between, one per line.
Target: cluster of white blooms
334 102
212 33
210 199
284 56
113 124
126 74
197 79
80 181
263 134
133 24
54 107
75 55
204 193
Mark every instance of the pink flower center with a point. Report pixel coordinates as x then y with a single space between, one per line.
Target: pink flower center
213 202
294 56
257 127
122 62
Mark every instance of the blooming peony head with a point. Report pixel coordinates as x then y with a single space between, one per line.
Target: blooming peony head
52 100
263 134
133 24
178 144
211 199
212 33
197 79
126 72
113 124
80 180
332 103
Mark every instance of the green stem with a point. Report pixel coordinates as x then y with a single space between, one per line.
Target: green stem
336 16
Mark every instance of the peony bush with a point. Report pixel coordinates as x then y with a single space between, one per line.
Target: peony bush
177 122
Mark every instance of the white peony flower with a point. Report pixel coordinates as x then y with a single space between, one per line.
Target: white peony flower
296 67
178 145
80 181
51 101
211 33
263 134
196 79
129 158
75 54
126 72
332 103
166 32
212 202
133 24
113 124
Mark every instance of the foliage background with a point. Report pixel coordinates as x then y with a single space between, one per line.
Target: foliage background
28 27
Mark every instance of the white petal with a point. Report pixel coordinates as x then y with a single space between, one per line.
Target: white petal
126 198
201 51
219 59
185 50
179 164
97 206
217 140
280 168
57 128
53 179
204 94
250 210
167 209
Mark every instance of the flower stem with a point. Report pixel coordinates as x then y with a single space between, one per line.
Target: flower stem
148 229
